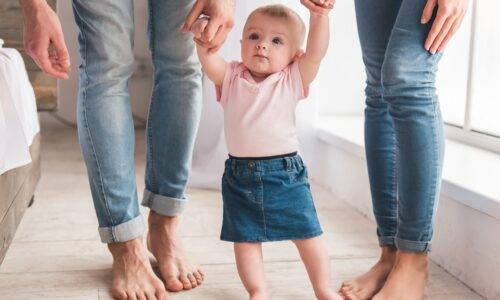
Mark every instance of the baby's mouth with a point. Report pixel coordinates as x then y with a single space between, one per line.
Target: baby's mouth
261 56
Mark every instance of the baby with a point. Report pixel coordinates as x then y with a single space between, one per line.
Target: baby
265 186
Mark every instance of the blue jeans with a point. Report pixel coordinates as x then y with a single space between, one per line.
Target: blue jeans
403 126
105 124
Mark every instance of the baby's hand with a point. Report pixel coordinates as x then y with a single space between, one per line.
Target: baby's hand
319 6
198 27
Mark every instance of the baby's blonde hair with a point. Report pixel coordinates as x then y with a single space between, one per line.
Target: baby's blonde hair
282 12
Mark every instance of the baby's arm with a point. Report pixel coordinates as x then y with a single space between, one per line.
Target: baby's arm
317 44
213 65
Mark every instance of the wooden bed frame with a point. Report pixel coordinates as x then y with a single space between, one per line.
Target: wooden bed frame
17 187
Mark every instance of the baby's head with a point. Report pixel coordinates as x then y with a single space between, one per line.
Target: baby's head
272 37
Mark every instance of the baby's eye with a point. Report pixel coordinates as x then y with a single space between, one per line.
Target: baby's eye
277 41
254 36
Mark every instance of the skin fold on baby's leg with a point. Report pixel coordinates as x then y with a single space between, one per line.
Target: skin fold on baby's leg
315 257
251 269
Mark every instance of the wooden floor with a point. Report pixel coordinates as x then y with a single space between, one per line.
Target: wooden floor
57 252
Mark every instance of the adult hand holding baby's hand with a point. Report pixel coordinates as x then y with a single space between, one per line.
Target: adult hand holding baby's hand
319 6
220 21
198 28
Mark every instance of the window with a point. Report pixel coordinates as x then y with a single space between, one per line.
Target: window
468 82
470 97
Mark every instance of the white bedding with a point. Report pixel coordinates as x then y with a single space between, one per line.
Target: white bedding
18 115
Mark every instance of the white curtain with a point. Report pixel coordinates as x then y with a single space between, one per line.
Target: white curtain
210 149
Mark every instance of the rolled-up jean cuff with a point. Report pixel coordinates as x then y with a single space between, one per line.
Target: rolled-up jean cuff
386 241
163 205
123 232
412 246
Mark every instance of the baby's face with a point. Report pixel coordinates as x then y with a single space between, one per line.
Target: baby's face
269 44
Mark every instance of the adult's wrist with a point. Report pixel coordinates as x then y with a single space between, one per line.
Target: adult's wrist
30 6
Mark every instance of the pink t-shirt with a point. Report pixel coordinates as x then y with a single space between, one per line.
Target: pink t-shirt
259 118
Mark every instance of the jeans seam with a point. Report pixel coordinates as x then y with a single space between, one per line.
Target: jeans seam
149 125
261 186
395 178
84 94
436 166
434 103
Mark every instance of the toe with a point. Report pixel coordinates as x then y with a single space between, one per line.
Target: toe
192 279
185 281
118 294
141 296
131 295
201 273
346 288
161 294
151 293
350 296
199 277
173 284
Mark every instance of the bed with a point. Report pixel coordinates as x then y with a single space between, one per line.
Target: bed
19 144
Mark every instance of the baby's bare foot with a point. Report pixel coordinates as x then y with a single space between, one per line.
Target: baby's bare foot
407 278
367 285
133 277
165 245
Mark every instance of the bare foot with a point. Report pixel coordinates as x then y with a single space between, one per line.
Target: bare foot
407 279
368 284
133 276
163 242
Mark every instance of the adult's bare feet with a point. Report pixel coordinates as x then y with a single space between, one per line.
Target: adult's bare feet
165 245
133 276
367 285
407 279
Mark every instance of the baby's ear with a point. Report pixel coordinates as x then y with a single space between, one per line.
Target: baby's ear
299 54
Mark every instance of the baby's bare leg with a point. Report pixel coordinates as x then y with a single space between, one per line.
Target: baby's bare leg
315 257
251 269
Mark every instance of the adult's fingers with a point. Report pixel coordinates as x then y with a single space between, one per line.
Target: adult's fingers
428 10
437 26
442 34
451 32
214 24
193 15
62 52
311 5
40 54
219 39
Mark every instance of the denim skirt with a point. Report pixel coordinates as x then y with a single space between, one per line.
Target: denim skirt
267 200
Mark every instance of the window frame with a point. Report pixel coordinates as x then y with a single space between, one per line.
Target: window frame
466 134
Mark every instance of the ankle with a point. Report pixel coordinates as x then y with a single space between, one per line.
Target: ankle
258 294
324 293
388 255
157 220
416 261
134 246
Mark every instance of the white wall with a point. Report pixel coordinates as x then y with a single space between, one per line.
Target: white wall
341 79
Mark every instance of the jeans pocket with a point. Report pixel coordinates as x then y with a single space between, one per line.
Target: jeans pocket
298 175
237 187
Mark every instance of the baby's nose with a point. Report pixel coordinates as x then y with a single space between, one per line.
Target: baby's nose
261 46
